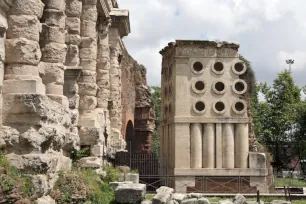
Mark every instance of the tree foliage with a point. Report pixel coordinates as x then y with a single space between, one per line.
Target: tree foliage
156 98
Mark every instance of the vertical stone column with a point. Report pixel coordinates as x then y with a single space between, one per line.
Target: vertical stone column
22 49
196 146
3 28
54 50
219 146
241 145
208 159
73 39
228 159
182 145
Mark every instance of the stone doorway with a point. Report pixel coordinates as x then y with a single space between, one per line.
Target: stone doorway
129 135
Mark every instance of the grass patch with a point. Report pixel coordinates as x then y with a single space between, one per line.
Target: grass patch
149 196
292 182
299 202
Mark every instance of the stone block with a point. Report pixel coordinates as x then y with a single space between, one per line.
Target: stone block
203 201
88 89
73 8
13 71
257 160
90 2
88 53
73 25
55 18
89 136
53 88
55 4
103 74
225 202
132 177
52 34
239 199
89 119
88 42
164 195
88 29
54 53
72 57
23 86
74 101
27 7
73 39
23 26
89 13
88 64
150 202
179 197
22 51
88 76
114 185
103 63
52 72
45 200
2 50
90 162
63 100
130 193
88 102
181 183
97 150
190 201
74 115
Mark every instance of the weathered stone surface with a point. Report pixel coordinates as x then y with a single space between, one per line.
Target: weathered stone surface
203 201
88 64
88 89
9 137
88 76
178 197
88 29
146 202
52 73
22 51
257 160
89 135
72 57
27 7
89 13
23 26
29 86
90 162
54 53
74 101
88 53
73 8
52 34
225 202
73 25
2 49
239 199
132 177
45 200
90 2
73 39
55 4
114 185
12 71
190 201
88 102
164 195
130 193
53 17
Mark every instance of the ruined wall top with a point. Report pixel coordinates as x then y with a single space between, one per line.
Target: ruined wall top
199 44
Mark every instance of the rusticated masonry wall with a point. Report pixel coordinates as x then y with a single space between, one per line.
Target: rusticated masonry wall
60 78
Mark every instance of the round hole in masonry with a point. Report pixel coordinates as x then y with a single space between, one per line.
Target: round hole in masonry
239 67
219 86
200 106
239 86
198 66
199 85
219 106
239 106
218 66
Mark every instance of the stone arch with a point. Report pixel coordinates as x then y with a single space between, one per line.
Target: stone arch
129 133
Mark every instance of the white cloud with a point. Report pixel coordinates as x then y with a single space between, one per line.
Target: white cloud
268 31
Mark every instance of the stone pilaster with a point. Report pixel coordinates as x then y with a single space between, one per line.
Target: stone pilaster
54 50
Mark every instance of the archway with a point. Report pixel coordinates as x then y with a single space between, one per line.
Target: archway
129 134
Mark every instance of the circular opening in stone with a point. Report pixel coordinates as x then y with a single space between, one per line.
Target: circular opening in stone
218 67
200 106
219 86
239 67
199 85
239 86
239 106
198 66
219 106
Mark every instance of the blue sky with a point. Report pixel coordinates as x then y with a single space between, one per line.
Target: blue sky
269 31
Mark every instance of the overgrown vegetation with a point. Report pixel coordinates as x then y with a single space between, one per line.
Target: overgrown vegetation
14 186
292 182
156 98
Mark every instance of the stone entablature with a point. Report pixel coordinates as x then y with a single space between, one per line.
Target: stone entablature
204 127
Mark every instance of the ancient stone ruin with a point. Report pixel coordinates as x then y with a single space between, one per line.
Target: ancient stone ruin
204 127
68 82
